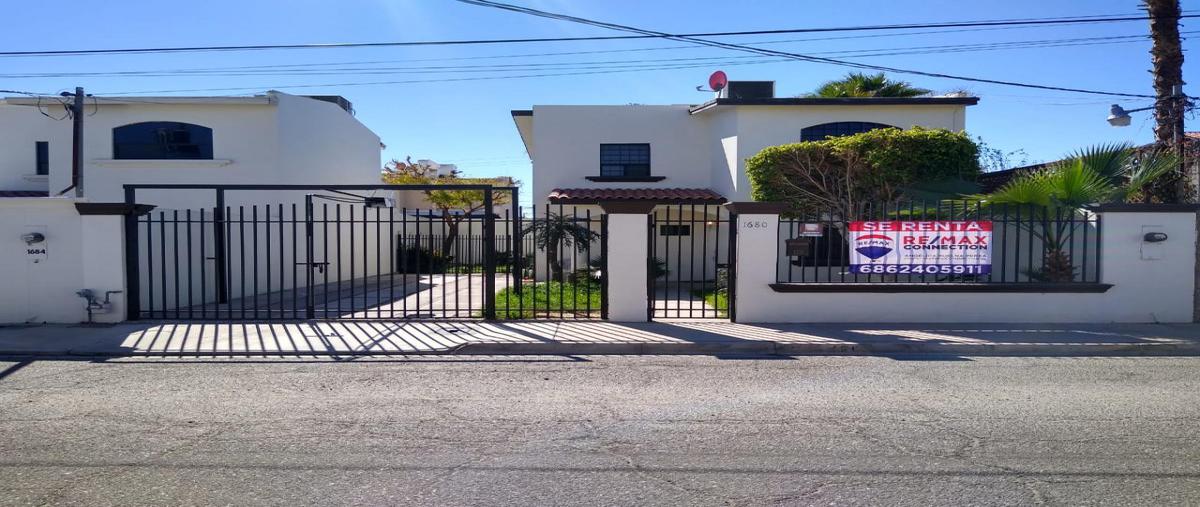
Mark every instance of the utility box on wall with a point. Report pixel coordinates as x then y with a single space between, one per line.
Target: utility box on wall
1153 239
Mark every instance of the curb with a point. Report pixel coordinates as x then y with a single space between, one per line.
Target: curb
717 348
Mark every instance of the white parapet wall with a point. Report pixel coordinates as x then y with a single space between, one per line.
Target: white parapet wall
75 252
1150 282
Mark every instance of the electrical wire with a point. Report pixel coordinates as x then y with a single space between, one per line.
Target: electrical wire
795 56
620 69
642 34
603 51
367 70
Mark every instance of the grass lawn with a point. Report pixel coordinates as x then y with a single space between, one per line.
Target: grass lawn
549 299
715 299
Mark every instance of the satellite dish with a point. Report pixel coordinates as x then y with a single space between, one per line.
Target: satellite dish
717 81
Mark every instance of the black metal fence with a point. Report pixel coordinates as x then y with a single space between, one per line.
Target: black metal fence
332 254
560 265
941 242
691 261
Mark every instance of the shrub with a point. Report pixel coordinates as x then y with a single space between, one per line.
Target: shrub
420 260
881 165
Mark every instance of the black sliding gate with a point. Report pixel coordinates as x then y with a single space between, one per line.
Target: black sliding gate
267 252
690 267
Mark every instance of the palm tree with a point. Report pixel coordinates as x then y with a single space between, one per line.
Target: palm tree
1166 55
556 231
857 84
1047 199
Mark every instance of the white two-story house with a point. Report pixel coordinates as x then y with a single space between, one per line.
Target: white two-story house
695 154
272 138
585 153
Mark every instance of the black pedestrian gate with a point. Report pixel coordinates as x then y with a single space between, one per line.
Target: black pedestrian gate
690 269
329 252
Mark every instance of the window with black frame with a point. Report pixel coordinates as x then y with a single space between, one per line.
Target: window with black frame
162 140
625 160
838 129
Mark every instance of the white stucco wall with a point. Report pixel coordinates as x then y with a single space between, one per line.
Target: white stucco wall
320 143
1151 283
82 252
703 150
22 127
567 149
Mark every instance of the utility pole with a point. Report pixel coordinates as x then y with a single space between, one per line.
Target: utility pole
76 109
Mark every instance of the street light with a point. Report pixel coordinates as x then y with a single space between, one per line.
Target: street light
1119 116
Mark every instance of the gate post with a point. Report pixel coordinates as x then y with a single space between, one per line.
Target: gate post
755 238
627 267
489 256
310 296
133 285
219 253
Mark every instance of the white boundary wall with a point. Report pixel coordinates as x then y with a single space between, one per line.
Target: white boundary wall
1151 282
81 252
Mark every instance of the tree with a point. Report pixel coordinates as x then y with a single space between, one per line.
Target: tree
879 166
555 231
453 206
1166 55
857 84
1047 198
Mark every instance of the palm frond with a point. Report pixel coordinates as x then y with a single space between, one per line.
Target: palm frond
1146 168
1076 183
1107 159
857 84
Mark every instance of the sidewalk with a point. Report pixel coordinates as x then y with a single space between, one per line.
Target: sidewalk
355 338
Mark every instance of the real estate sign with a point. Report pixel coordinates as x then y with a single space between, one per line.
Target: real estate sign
921 247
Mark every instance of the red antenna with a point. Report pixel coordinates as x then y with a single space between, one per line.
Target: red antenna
717 81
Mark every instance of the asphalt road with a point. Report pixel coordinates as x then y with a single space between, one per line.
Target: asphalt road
602 431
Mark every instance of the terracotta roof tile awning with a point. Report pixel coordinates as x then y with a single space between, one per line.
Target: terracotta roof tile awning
658 195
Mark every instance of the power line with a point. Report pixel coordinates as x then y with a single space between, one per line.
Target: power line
585 65
795 56
641 34
627 50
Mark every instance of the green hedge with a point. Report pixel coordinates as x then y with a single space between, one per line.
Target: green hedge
916 160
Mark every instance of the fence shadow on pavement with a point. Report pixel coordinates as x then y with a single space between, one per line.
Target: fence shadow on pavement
308 339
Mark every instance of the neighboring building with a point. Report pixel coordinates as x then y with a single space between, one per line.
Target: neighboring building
274 138
582 153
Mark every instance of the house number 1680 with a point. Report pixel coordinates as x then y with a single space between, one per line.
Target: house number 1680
755 224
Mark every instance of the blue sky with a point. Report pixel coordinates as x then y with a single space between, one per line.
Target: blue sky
468 122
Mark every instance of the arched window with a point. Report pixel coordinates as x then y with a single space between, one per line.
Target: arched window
838 129
157 140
